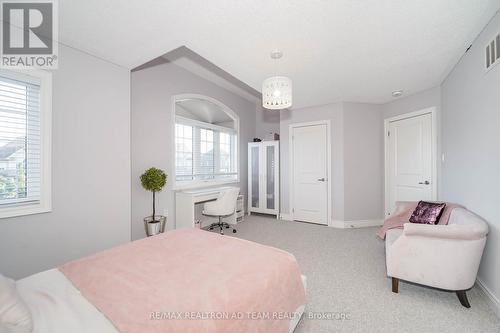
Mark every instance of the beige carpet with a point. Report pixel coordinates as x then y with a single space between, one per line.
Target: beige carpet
345 272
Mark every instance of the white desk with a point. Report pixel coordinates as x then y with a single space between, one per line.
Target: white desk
185 202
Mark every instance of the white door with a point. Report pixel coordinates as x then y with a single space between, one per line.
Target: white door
309 174
410 160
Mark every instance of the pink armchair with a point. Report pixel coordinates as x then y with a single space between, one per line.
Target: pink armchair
440 256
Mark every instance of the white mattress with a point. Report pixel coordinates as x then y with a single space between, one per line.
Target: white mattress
58 307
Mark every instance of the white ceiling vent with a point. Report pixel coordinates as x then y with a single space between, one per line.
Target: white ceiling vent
492 52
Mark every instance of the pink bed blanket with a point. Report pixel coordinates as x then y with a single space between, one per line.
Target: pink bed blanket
398 220
190 280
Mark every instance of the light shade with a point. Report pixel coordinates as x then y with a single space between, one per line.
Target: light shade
277 93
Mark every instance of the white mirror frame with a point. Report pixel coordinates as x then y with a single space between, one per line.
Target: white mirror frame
231 114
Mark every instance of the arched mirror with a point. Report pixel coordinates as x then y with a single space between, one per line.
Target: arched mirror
206 142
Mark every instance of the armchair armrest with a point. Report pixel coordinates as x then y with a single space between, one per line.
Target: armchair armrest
451 231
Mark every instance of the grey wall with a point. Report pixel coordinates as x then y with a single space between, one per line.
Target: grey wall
471 145
357 158
266 121
90 170
357 150
152 90
416 102
363 162
334 113
468 113
419 101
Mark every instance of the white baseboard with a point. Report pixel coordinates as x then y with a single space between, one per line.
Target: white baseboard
492 300
356 224
286 217
337 224
363 223
343 224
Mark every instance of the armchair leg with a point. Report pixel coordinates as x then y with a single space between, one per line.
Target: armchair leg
395 285
462 297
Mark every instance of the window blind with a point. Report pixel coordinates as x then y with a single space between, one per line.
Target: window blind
20 140
204 151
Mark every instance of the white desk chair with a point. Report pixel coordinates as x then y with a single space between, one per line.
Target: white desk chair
225 205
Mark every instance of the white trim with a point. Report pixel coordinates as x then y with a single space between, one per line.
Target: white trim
356 224
286 217
493 302
339 224
205 183
363 223
45 203
434 120
328 158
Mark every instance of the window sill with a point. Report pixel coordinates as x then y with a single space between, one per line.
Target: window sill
180 187
22 210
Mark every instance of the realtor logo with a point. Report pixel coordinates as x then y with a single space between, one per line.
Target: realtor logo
29 34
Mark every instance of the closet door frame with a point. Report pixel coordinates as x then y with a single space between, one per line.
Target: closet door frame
263 178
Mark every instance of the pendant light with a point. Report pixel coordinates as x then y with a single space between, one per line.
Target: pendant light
277 90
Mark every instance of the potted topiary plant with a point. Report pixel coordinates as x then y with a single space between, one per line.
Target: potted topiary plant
154 180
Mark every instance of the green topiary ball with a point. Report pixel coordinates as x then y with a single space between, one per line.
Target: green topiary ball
153 179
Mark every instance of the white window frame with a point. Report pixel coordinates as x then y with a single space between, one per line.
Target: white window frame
44 205
181 185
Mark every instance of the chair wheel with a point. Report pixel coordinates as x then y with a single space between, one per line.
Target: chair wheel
234 231
211 228
227 227
222 232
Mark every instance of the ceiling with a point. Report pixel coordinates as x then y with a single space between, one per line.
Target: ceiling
336 50
204 111
195 63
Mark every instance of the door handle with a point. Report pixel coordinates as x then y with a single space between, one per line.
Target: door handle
321 179
424 183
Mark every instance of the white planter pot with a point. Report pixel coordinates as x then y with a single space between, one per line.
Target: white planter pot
154 227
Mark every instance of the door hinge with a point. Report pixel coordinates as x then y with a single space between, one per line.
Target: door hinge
388 133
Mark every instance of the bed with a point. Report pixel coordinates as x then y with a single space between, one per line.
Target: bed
187 280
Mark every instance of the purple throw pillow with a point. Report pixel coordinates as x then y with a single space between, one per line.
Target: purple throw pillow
427 212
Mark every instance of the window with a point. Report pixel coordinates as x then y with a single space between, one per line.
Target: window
205 142
204 152
183 152
24 143
225 147
205 169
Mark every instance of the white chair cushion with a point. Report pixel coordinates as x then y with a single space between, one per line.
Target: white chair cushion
224 205
15 316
